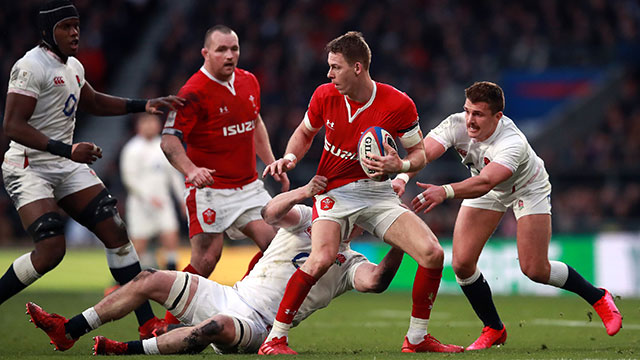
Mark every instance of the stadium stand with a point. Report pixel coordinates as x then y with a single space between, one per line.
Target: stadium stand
430 49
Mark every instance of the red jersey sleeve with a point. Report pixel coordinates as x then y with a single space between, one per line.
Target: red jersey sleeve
186 116
407 116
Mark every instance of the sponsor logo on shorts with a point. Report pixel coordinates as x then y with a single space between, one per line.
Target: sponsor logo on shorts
462 152
327 203
209 216
486 161
520 204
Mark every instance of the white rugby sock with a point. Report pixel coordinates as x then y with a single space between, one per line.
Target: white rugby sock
417 330
279 329
150 346
558 274
25 272
92 318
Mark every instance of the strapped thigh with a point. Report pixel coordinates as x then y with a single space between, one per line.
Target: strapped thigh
179 293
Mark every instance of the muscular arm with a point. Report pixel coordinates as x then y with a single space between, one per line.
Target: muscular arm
433 150
177 156
263 150
18 111
263 145
475 186
278 210
97 103
376 278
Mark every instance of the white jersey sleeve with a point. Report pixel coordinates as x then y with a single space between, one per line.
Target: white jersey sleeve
510 152
446 133
27 77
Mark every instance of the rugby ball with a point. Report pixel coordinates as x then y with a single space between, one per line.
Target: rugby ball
371 142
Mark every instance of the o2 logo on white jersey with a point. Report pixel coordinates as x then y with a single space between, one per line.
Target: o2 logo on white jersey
70 105
239 128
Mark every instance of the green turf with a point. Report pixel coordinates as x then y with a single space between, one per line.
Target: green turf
362 326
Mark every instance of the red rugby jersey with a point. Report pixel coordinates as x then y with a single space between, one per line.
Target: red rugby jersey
389 108
218 126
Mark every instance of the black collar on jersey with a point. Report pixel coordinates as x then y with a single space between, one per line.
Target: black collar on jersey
49 16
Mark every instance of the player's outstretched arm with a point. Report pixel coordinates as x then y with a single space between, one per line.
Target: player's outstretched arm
473 187
297 147
278 210
376 278
98 103
177 156
18 110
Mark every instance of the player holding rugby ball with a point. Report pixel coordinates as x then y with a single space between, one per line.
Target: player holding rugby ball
348 106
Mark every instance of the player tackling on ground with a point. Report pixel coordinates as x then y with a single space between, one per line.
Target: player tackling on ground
233 319
45 172
347 106
506 172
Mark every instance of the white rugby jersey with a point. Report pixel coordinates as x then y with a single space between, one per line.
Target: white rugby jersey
264 287
41 74
507 146
147 173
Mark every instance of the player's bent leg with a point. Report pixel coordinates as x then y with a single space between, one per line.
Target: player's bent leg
46 228
534 233
533 237
414 237
206 249
260 232
473 228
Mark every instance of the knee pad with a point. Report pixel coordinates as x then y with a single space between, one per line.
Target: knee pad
102 207
46 226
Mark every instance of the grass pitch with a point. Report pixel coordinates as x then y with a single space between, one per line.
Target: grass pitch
354 326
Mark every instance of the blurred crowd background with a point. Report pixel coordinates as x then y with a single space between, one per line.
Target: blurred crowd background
570 70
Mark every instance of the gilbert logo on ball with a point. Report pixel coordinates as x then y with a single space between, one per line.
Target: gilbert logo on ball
371 142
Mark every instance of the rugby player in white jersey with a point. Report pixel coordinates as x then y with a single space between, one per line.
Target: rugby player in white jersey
150 181
44 172
233 319
505 172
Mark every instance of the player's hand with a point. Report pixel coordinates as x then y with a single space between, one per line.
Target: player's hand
278 167
391 163
172 102
85 152
317 184
284 180
398 186
428 199
200 177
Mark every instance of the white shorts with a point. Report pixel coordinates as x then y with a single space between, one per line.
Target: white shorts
44 180
533 199
144 220
372 205
218 210
212 299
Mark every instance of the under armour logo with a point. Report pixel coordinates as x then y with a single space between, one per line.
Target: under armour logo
223 109
330 124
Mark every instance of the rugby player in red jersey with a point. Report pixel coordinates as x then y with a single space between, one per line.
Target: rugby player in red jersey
347 106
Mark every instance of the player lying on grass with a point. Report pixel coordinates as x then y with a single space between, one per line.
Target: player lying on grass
233 319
